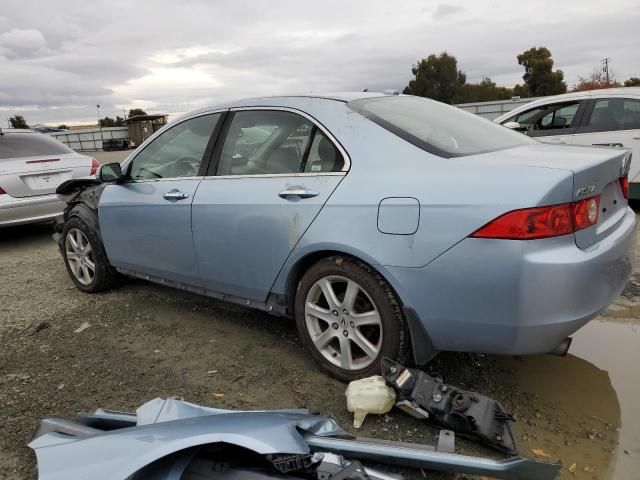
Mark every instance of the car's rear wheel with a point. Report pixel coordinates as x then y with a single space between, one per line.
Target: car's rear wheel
349 318
85 258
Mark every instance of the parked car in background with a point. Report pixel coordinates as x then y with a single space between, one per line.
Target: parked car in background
115 144
385 225
32 165
608 117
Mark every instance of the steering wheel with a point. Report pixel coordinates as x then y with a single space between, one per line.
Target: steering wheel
185 167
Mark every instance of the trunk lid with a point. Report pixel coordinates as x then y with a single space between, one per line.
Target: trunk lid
41 175
596 171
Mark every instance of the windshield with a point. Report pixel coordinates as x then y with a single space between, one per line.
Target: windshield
15 145
438 128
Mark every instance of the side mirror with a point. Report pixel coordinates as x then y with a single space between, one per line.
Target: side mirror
110 172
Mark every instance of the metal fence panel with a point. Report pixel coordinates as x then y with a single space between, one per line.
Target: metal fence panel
494 109
89 138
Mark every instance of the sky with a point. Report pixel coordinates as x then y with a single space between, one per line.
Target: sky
58 60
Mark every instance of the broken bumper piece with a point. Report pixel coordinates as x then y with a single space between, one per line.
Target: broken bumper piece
176 440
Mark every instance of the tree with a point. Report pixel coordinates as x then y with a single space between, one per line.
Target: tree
63 126
107 122
136 111
521 91
596 81
539 75
485 91
119 121
437 77
18 121
632 82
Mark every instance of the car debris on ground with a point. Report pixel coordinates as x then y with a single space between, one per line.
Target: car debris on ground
469 414
176 440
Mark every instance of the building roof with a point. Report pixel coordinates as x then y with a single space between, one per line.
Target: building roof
140 118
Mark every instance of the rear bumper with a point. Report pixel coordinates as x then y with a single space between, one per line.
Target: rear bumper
19 211
516 297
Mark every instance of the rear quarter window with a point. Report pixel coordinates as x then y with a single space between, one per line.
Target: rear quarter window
438 128
16 145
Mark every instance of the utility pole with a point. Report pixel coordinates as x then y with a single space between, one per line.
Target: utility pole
605 67
99 125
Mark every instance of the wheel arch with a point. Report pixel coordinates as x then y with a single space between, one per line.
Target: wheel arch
422 350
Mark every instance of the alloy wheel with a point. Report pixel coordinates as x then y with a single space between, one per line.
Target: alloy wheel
80 256
343 322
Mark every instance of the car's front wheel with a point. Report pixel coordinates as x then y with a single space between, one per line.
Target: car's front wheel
349 318
85 258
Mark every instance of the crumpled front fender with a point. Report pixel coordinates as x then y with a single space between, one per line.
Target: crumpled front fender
118 454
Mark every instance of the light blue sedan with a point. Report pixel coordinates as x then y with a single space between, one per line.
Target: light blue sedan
386 225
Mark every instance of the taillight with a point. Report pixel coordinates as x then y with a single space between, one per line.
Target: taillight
543 222
624 185
585 212
2 192
94 166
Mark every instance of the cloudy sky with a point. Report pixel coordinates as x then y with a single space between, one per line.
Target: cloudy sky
59 59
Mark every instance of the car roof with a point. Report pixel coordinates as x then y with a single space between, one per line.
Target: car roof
603 92
16 130
276 100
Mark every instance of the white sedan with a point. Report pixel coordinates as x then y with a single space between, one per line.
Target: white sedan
608 118
32 165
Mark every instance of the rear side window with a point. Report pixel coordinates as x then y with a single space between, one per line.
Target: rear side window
611 114
15 145
274 142
438 128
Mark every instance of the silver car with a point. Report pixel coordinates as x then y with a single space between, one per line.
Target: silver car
32 165
385 225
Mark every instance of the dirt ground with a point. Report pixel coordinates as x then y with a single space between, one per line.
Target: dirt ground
147 341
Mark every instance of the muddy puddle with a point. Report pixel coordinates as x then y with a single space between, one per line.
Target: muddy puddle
587 404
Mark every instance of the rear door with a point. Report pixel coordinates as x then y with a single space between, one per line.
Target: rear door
33 164
275 170
552 122
145 221
614 122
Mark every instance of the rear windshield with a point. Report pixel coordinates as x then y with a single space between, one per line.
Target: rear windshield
26 144
438 128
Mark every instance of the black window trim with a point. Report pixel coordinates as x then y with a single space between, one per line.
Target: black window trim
217 150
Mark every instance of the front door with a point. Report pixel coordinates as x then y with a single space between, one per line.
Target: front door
145 222
551 123
276 170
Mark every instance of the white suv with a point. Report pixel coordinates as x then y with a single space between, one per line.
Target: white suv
608 117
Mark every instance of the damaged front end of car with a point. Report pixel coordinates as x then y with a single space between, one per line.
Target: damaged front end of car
81 196
175 440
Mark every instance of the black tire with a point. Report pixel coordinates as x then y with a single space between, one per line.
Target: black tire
395 339
105 276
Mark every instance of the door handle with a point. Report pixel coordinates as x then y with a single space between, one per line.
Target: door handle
616 144
175 195
298 192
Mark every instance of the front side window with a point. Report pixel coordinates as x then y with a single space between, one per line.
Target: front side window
610 114
177 152
548 117
438 128
26 144
268 142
